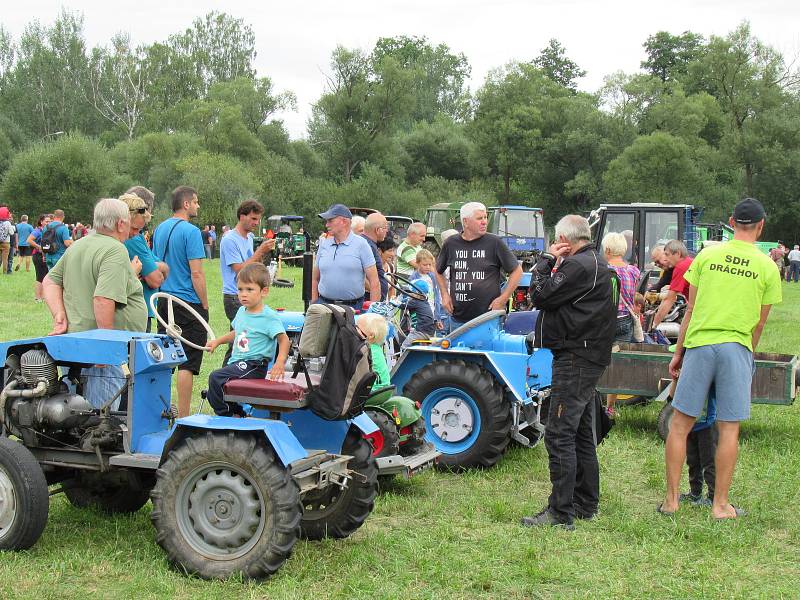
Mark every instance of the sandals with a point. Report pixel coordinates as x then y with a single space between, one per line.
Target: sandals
740 512
660 510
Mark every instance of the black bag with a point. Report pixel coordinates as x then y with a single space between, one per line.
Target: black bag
49 241
602 422
347 377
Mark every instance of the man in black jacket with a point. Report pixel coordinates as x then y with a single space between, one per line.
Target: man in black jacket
573 288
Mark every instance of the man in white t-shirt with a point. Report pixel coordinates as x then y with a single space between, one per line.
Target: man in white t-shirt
794 264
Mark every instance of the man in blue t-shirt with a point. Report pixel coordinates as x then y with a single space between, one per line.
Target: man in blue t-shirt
344 261
153 271
63 238
236 251
24 230
178 243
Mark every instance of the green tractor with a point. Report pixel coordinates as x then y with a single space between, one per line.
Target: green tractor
290 238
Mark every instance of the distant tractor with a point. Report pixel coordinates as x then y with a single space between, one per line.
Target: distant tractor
398 225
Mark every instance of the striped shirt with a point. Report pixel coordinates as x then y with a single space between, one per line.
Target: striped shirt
628 278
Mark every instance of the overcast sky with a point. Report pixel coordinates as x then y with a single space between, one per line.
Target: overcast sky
294 39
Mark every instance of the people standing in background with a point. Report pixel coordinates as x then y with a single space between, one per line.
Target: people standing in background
14 246
375 228
793 272
206 236
388 251
676 255
407 252
357 225
38 258
6 230
212 238
61 239
24 230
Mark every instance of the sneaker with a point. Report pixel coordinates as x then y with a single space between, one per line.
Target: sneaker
16 268
691 498
545 519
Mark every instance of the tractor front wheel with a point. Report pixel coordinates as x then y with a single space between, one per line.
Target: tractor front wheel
24 499
336 512
223 504
466 416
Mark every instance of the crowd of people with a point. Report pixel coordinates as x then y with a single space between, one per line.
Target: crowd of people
102 276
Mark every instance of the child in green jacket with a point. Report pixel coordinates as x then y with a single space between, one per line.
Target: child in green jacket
374 328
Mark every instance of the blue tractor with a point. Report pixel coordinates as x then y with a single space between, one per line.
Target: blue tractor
479 387
230 496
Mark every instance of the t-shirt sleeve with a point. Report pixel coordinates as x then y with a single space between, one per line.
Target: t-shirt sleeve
409 253
274 327
138 247
56 274
772 291
507 259
229 252
678 281
367 257
63 233
111 283
194 244
442 261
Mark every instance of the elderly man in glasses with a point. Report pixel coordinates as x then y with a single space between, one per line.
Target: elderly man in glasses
153 271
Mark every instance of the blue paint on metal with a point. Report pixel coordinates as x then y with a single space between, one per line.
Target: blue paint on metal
431 401
315 432
365 424
292 320
286 445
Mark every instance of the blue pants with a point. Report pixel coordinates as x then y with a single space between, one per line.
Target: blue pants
240 369
794 271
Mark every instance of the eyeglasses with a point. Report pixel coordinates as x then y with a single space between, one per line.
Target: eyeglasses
140 211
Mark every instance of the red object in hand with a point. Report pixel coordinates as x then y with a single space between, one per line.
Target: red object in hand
270 234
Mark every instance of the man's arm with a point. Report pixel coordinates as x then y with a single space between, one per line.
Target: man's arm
500 302
258 255
677 358
154 279
548 292
761 322
314 284
104 312
665 307
374 283
32 243
54 297
447 301
199 281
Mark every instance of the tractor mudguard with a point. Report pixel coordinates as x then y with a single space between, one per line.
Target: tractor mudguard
407 410
280 437
364 424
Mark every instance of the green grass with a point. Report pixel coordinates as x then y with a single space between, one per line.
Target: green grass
457 536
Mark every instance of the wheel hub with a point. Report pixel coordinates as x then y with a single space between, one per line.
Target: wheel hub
225 515
8 503
451 419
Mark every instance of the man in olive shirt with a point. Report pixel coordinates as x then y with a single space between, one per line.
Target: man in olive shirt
95 286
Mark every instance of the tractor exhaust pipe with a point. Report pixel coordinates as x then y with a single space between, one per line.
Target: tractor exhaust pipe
308 267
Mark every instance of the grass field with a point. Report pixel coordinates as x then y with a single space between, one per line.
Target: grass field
457 536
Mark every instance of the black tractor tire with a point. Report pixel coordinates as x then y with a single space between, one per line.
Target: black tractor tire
108 496
416 439
486 393
224 505
24 498
664 420
391 436
282 283
337 513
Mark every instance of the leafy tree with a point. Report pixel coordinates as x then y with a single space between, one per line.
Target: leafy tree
12 140
366 99
439 76
668 56
554 62
439 149
223 130
222 183
254 97
70 173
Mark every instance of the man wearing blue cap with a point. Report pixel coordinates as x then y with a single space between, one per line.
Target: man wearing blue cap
344 262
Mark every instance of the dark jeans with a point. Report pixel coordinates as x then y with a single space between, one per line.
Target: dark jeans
231 304
570 438
701 446
794 271
624 331
240 369
355 304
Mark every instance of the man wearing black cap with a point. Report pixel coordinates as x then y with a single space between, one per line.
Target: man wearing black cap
732 287
344 262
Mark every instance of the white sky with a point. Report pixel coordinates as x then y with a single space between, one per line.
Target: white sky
294 40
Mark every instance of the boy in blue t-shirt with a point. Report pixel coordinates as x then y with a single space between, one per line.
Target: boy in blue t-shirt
257 330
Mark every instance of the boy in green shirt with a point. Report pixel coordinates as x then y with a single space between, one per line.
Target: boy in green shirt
732 287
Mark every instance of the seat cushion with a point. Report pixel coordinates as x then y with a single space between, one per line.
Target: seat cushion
288 393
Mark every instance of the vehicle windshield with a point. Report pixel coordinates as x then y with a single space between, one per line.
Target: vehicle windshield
441 220
519 223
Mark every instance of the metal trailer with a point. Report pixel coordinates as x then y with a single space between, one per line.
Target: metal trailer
642 370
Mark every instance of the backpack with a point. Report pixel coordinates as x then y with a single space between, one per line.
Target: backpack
4 232
347 377
49 241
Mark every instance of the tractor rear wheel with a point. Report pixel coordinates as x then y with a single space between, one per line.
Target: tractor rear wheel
107 495
391 437
24 499
336 512
466 416
223 504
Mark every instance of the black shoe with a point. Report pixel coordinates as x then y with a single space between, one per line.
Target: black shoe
545 519
584 516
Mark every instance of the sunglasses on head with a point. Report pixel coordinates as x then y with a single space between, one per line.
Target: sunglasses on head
141 211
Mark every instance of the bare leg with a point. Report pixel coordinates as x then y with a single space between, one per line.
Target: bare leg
727 451
185 379
38 293
675 457
611 400
27 264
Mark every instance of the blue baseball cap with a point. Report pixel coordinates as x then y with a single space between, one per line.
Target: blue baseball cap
337 210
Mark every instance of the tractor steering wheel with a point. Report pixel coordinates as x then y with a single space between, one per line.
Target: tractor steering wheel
171 328
409 289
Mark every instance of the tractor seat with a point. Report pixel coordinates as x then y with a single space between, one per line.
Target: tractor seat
284 395
521 323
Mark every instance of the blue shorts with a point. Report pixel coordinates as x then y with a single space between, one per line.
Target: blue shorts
729 367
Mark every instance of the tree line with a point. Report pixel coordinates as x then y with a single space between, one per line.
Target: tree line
706 121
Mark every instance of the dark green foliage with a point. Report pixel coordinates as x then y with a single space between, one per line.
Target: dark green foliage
557 66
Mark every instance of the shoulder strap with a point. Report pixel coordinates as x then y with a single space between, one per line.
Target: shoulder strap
166 244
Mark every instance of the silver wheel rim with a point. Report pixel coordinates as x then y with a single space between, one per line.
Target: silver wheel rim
8 504
220 512
451 419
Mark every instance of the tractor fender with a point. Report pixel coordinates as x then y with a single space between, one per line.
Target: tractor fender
364 424
277 433
407 410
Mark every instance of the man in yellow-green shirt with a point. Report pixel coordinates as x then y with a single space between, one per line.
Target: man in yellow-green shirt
732 287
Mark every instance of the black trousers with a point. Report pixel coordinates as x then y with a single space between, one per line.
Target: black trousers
701 447
231 304
240 369
570 437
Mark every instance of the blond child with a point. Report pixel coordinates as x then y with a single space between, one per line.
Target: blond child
374 328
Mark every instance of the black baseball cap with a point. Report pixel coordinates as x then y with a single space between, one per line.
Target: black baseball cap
337 210
749 210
